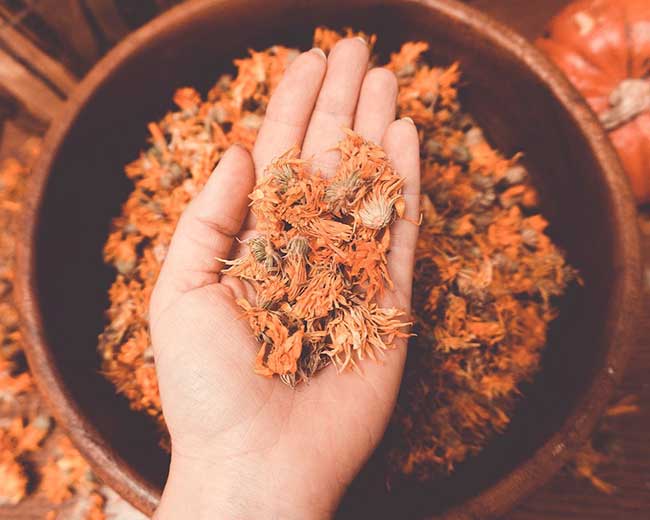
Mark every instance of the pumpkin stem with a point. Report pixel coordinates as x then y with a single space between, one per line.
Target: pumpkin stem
628 100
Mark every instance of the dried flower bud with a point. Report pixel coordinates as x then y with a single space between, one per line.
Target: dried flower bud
474 283
474 136
251 121
465 122
283 176
530 237
125 265
485 199
172 176
429 97
407 70
482 220
298 246
130 228
515 174
218 114
341 192
377 212
482 182
257 248
432 148
42 422
461 154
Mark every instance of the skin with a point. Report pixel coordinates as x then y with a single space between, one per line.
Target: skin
244 446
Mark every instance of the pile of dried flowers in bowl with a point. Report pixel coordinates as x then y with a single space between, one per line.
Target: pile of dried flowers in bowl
486 273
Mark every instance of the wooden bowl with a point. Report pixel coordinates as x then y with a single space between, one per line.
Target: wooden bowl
522 101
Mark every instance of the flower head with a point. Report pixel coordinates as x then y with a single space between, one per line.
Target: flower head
377 211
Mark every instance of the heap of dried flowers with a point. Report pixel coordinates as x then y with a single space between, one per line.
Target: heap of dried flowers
23 425
66 475
485 278
319 262
486 272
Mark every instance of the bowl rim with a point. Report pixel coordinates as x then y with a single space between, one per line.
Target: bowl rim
502 495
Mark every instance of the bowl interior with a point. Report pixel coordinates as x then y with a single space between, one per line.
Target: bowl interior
87 186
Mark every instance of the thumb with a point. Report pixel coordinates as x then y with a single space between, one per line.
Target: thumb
206 230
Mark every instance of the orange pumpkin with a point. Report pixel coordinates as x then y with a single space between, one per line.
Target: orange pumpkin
603 46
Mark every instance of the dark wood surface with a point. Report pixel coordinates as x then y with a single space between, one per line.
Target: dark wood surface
564 496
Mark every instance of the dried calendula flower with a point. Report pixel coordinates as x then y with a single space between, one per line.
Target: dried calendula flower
376 212
315 294
340 195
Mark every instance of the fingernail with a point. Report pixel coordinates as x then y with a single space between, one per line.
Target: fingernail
409 120
320 52
365 42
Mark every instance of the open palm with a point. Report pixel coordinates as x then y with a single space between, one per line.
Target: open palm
259 444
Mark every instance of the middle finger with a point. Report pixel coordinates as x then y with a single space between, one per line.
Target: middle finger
347 65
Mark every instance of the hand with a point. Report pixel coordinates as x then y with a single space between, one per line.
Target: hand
244 446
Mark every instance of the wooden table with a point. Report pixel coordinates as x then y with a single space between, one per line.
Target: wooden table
564 497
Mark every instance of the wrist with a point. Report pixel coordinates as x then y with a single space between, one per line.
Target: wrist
237 489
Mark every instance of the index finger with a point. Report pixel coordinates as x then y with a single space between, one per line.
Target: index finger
290 108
